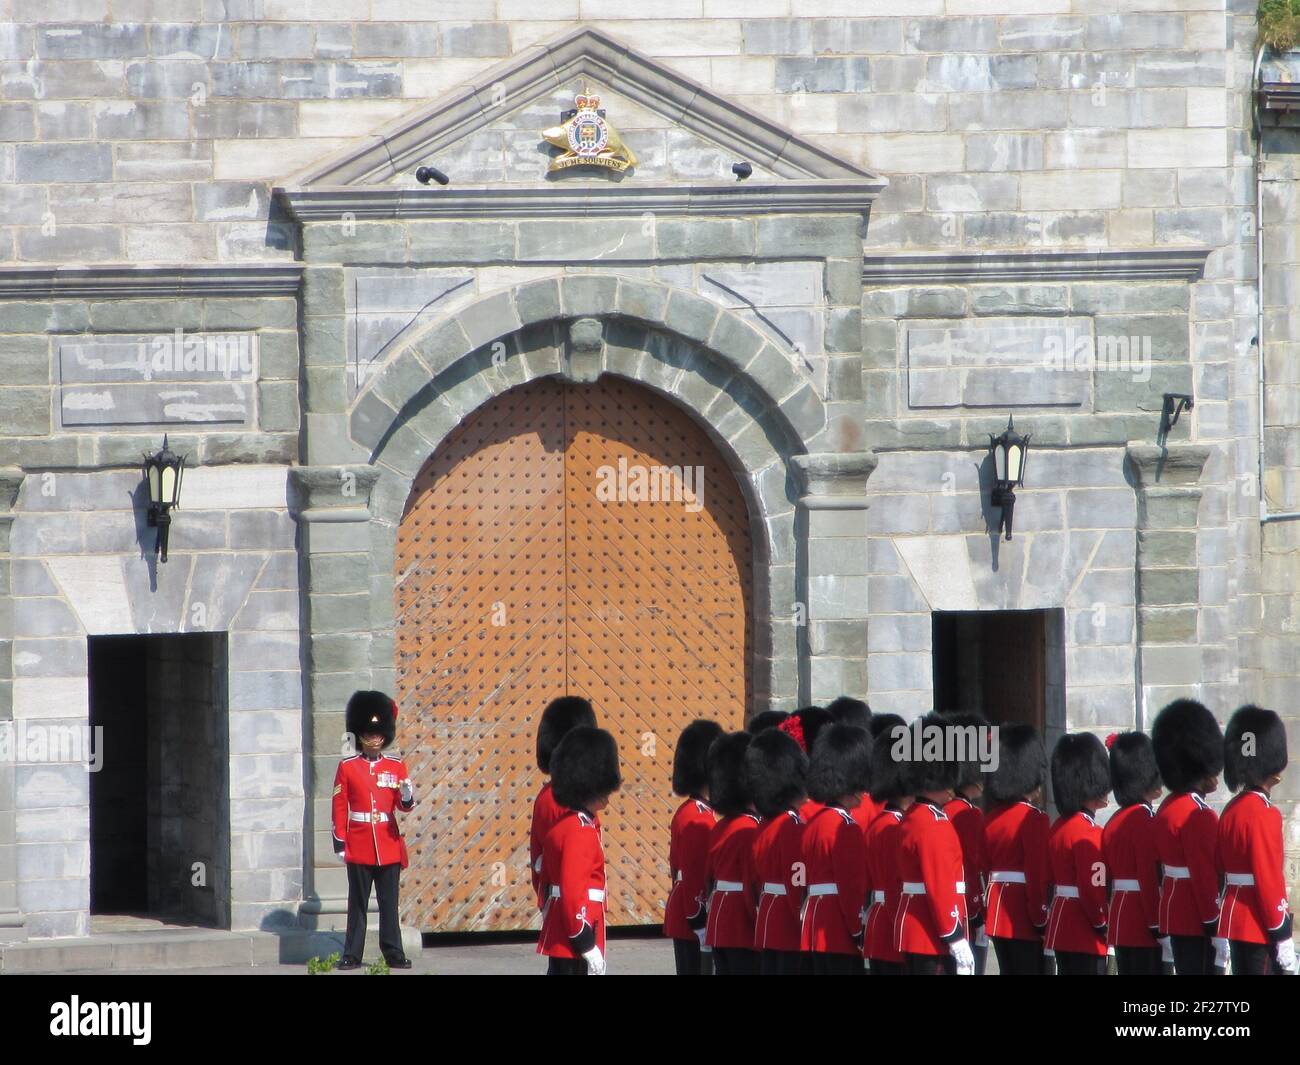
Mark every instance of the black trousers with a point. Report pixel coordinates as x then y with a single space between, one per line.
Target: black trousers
825 963
1254 959
886 968
780 963
981 957
686 953
735 961
1138 961
930 964
384 878
567 967
1019 957
1071 963
1193 955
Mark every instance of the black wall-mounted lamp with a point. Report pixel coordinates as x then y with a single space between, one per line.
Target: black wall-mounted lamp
1174 405
1009 452
163 471
425 174
741 170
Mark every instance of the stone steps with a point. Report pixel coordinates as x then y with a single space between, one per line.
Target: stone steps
168 948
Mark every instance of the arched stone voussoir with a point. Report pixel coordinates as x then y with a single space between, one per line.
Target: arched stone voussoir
722 335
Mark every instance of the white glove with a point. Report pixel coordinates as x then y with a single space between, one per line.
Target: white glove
1166 950
1220 952
595 962
961 952
1110 952
981 937
1286 956
1048 952
408 793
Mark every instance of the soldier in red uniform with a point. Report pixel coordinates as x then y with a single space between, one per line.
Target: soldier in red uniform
803 726
1076 922
884 886
560 716
688 846
849 711
1189 751
930 926
967 818
1255 917
1015 832
1128 848
776 773
369 789
834 852
584 774
729 867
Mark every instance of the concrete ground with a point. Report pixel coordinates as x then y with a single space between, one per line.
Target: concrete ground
485 958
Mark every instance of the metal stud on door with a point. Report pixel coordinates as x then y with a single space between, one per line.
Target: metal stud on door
532 562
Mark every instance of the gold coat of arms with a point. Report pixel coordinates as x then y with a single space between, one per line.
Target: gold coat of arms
588 138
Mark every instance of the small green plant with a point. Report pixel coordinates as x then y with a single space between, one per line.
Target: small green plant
379 968
1279 23
317 966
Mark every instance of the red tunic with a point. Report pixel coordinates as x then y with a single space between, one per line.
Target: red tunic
729 872
884 885
1255 908
865 812
1016 836
932 909
968 820
573 861
1129 851
546 812
1187 835
688 850
778 864
835 859
364 804
1077 921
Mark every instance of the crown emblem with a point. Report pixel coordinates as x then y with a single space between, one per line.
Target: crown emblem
587 138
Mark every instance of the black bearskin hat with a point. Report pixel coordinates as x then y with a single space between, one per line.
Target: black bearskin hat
927 774
840 764
888 775
1080 772
562 714
690 766
371 712
969 769
885 723
765 719
1133 771
728 792
849 711
584 767
1254 747
1188 744
776 772
1022 764
805 725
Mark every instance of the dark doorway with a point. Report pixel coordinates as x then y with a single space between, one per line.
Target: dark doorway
1008 665
160 802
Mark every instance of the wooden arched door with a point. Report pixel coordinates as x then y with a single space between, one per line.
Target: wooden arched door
558 542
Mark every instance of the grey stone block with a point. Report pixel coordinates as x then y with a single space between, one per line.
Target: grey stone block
823 74
239 119
277 406
462 242
145 120
585 239
1168 587
90 40
47 163
697 238
789 236
474 39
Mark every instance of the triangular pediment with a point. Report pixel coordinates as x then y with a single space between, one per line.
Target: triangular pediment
489 131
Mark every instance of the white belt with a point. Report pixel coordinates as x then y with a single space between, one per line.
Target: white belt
595 894
773 889
878 896
912 887
823 889
365 818
1067 891
1006 876
1178 872
1127 885
1239 879
728 885
678 878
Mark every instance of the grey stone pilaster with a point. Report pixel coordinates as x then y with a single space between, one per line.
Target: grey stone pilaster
833 569
332 507
11 920
1168 580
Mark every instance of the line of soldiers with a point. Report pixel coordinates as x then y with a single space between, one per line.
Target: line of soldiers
833 841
